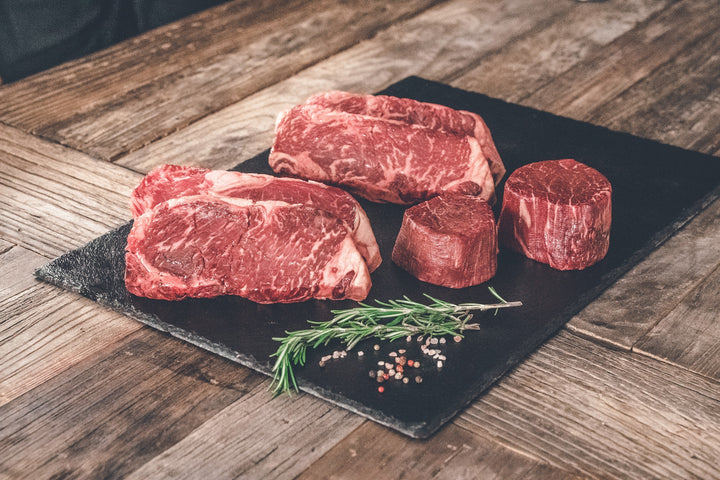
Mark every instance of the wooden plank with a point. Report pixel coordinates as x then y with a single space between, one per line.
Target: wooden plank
604 413
627 60
653 288
16 267
87 83
44 331
452 453
438 44
520 67
71 390
690 334
677 104
81 85
114 412
255 437
5 246
53 198
260 48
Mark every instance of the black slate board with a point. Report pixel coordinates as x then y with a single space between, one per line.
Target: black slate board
656 189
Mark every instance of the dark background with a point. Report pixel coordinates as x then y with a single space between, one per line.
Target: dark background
38 34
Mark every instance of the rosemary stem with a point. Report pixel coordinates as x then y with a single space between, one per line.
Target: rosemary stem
466 307
402 318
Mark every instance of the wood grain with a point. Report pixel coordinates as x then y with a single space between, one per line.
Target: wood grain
678 103
438 44
524 65
53 198
268 48
629 391
84 84
5 246
652 289
16 267
452 453
44 331
87 84
690 334
627 60
255 437
604 413
109 415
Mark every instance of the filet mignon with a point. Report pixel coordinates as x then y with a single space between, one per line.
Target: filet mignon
557 212
449 240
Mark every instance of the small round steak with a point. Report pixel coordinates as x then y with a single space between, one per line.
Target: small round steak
449 240
557 212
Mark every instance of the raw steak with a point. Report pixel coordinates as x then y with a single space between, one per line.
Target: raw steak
268 252
174 181
557 212
407 110
381 160
449 240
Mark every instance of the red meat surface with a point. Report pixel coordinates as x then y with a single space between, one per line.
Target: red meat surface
174 181
557 212
450 240
413 112
379 158
268 252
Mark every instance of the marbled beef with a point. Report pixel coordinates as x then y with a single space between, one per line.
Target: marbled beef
175 181
449 240
381 159
268 252
407 110
557 212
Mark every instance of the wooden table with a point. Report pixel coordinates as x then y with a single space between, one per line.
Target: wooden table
629 389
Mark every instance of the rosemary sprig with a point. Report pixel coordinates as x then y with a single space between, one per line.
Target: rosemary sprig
388 321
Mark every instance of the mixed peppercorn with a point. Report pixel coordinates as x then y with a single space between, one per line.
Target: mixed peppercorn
398 366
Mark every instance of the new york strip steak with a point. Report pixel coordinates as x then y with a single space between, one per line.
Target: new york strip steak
414 112
382 157
268 252
174 181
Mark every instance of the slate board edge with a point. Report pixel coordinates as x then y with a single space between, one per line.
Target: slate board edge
417 430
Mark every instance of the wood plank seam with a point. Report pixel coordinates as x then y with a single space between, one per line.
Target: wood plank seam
178 127
611 346
647 21
691 292
54 141
648 34
36 190
516 414
660 66
539 27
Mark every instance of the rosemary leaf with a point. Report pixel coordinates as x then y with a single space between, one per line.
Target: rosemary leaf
389 320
